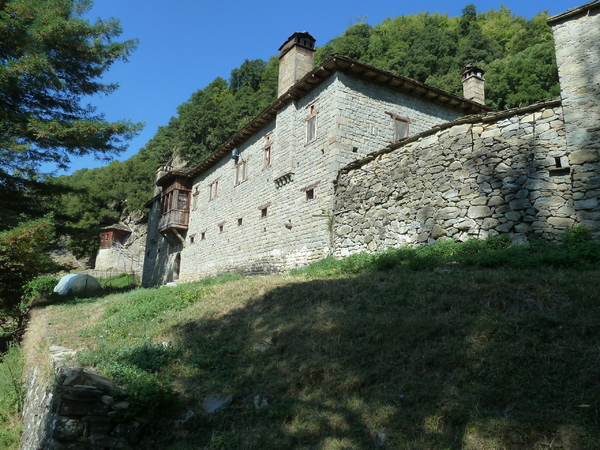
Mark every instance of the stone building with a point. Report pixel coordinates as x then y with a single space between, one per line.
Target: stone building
352 158
121 248
263 201
530 170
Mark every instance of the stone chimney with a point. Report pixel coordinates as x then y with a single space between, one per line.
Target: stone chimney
296 59
473 84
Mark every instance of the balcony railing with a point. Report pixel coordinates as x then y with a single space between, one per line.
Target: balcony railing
174 218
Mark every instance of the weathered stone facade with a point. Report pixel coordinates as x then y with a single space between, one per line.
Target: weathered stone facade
277 214
506 172
533 170
577 43
530 170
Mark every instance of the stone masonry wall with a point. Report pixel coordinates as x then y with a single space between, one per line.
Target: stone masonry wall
477 177
71 409
127 257
229 234
159 262
577 43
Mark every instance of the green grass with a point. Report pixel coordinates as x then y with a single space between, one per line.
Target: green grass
11 398
473 346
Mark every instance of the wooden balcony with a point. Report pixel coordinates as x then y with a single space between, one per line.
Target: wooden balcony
174 218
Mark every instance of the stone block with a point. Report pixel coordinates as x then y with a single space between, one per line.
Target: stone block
479 212
505 227
518 204
561 222
583 156
586 204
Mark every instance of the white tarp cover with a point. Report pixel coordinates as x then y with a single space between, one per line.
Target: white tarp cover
75 283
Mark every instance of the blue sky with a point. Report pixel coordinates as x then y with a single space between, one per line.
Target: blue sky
185 44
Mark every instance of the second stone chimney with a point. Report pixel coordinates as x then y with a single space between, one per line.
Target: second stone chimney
473 84
296 59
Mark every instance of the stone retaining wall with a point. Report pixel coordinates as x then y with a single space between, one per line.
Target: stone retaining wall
74 410
507 172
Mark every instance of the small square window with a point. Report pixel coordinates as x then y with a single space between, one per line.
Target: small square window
310 194
240 222
192 238
263 213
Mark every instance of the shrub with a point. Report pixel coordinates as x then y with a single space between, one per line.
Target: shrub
40 286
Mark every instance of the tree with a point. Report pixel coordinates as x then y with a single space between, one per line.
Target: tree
51 59
22 258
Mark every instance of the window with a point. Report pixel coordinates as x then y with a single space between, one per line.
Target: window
267 151
221 227
264 210
182 200
267 157
203 235
241 172
309 191
401 126
311 122
192 238
311 129
400 129
213 189
239 222
195 198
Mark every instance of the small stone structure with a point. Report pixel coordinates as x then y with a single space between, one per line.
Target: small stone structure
122 247
83 411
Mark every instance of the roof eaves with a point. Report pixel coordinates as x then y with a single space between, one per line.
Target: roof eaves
334 63
489 117
573 12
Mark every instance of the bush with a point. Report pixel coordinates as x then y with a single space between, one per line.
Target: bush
40 286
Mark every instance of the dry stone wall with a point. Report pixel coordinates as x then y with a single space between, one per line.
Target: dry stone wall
473 178
72 409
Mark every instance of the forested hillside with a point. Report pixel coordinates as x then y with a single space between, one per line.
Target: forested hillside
517 54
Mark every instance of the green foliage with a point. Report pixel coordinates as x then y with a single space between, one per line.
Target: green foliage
123 351
435 359
11 397
41 286
50 60
22 258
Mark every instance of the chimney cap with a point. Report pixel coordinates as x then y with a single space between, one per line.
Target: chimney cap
472 70
301 38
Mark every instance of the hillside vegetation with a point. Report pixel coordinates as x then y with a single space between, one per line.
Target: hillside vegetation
472 346
518 54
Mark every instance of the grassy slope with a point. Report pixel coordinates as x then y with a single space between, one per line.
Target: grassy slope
442 358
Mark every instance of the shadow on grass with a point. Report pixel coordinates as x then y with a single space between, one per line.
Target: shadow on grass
434 360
